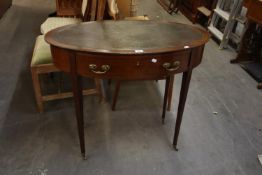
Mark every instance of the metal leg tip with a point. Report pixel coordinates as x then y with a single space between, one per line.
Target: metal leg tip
175 147
163 121
84 156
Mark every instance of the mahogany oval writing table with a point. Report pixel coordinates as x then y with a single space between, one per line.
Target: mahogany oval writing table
127 50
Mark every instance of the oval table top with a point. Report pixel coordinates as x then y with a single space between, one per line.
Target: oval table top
127 37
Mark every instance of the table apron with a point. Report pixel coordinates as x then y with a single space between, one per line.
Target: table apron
128 67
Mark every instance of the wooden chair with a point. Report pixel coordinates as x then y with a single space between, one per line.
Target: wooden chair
42 59
41 63
88 13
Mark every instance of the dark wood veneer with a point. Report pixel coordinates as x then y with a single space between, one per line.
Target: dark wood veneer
255 11
4 5
68 7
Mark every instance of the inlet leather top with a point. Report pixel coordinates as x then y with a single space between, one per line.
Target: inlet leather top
127 37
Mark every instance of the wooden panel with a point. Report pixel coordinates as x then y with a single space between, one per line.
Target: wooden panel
254 11
68 7
4 5
132 67
197 55
60 58
124 7
246 3
189 9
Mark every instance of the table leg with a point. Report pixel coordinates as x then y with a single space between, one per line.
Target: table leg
116 92
78 98
170 92
182 100
165 98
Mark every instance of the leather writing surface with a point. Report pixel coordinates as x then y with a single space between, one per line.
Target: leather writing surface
127 37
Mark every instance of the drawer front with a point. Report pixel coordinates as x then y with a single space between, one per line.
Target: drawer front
132 67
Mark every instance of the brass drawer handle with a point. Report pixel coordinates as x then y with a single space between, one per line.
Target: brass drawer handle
172 67
104 69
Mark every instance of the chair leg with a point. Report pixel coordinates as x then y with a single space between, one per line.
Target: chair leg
99 89
118 82
37 89
60 82
109 82
170 92
168 79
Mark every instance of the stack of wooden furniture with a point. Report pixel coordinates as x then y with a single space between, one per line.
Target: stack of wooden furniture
190 8
4 5
250 54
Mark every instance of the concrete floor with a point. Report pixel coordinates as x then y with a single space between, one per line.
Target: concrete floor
132 139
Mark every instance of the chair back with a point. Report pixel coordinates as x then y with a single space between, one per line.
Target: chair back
94 10
84 6
90 10
68 8
112 8
119 9
127 8
101 7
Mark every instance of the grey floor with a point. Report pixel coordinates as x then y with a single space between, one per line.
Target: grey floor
132 139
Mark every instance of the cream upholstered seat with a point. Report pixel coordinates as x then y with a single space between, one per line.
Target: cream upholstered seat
42 53
42 63
55 22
